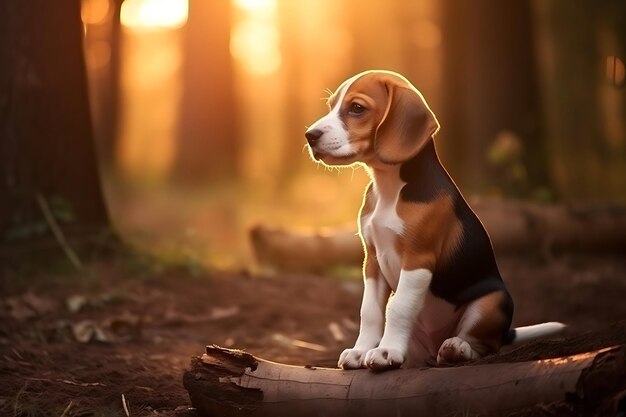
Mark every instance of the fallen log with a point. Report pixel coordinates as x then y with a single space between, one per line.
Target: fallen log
514 227
227 382
288 250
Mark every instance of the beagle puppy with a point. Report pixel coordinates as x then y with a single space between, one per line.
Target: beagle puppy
433 292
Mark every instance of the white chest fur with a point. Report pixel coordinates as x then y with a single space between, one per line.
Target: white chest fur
382 227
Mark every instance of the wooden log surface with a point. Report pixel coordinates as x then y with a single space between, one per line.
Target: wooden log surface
514 227
227 382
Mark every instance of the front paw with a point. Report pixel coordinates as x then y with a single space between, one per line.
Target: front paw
381 358
352 358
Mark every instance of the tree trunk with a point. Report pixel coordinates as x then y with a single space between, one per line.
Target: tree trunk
585 108
233 383
104 82
208 135
490 88
47 150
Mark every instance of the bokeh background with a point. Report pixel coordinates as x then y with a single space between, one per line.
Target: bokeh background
199 107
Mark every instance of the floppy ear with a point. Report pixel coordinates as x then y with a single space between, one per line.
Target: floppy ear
406 126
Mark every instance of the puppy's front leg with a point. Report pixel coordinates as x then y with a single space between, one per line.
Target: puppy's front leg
402 311
375 296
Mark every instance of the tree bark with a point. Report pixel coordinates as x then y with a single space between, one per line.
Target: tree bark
233 383
47 150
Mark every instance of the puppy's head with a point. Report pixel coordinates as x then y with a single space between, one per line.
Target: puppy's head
375 117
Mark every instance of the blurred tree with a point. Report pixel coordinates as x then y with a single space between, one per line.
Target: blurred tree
294 72
47 158
580 43
490 87
208 136
104 81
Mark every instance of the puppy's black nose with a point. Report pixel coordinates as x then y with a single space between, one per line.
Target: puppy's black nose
313 135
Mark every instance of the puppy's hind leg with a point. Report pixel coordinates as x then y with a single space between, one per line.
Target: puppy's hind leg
481 329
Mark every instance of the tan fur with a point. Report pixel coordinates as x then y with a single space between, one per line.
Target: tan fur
398 123
432 232
406 125
485 335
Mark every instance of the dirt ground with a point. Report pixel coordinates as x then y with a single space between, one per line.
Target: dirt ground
116 336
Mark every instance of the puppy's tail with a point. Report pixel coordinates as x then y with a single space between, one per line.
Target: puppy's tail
536 331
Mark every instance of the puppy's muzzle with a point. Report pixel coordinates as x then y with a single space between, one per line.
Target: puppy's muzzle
312 136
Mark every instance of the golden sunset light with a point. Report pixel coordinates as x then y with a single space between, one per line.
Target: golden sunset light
255 38
255 44
322 207
258 7
154 14
195 86
93 12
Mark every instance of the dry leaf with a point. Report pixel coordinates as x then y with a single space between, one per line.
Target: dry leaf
18 309
222 313
288 342
86 331
41 305
76 303
29 305
282 340
336 331
308 345
126 326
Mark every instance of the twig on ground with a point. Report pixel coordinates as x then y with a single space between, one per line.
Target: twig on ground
67 408
57 232
67 381
125 405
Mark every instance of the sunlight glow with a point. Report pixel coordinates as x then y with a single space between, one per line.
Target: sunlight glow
154 14
151 85
255 39
255 44
93 12
258 7
587 356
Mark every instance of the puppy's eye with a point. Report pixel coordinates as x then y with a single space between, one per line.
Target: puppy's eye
356 109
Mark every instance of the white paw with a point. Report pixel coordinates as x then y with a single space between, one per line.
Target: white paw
382 358
352 359
455 350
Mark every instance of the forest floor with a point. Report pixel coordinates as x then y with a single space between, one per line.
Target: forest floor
117 335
